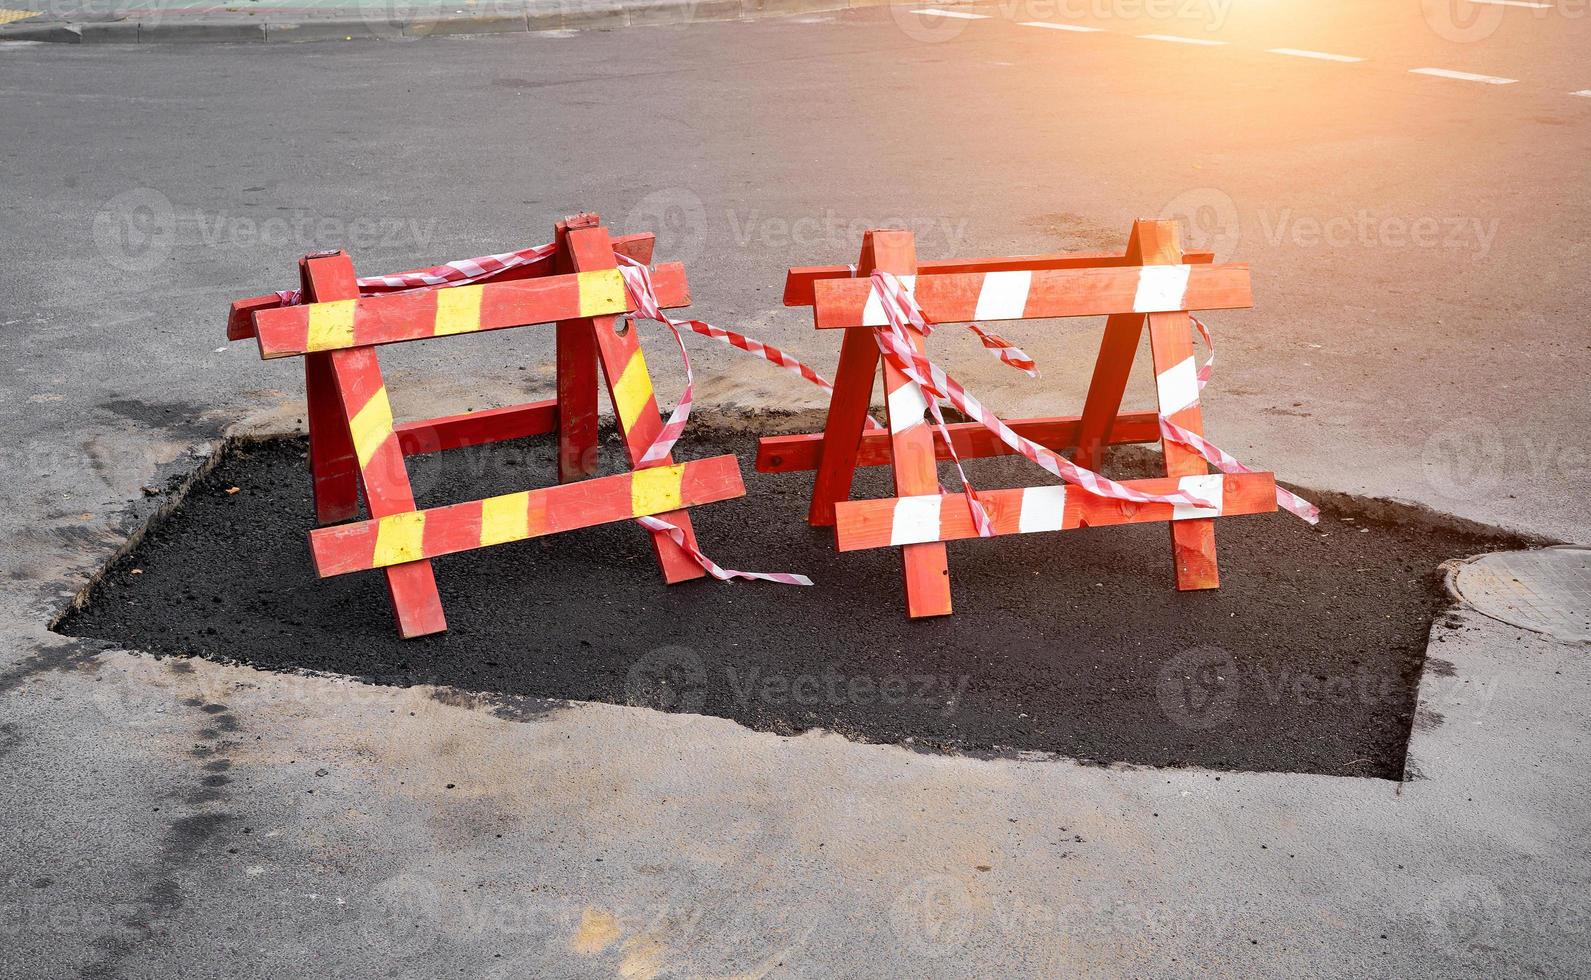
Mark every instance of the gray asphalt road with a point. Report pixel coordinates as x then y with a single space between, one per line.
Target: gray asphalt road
1416 243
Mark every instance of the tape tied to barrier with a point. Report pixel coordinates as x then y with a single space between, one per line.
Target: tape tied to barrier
638 280
901 309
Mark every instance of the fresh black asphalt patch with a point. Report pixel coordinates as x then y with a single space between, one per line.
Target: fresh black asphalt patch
1305 660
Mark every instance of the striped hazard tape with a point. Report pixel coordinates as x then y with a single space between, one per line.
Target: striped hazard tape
456 273
458 309
1213 454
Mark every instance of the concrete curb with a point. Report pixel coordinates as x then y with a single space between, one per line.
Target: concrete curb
560 15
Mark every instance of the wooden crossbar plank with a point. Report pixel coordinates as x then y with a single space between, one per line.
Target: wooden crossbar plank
477 428
240 317
397 317
897 521
421 534
965 297
798 282
790 454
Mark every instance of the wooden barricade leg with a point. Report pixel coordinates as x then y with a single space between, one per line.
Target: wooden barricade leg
1177 388
577 384
842 433
332 463
911 439
1151 243
367 419
630 388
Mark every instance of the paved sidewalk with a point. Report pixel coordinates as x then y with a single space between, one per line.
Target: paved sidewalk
178 21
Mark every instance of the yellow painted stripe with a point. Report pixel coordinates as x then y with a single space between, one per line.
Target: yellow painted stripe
633 390
505 518
458 310
331 325
601 292
8 16
399 538
656 490
371 426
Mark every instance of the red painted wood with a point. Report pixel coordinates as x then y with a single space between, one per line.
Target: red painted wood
1150 243
790 454
333 466
953 298
578 452
865 524
842 431
399 317
478 428
240 317
798 282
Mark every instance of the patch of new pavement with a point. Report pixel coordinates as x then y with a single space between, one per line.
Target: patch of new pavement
1306 660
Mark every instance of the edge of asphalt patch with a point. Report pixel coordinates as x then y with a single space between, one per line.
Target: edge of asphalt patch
980 727
595 15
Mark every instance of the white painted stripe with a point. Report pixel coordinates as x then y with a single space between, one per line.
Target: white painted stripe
1207 487
958 15
1003 296
1062 27
916 520
1179 39
873 311
1583 93
1178 386
1463 76
906 407
1516 3
1318 55
1161 288
1043 509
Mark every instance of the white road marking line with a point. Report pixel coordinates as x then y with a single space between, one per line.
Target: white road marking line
1318 55
1585 92
1062 27
1516 3
1463 76
1179 39
958 15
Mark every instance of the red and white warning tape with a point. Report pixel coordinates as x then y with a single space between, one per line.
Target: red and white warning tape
713 569
459 272
1006 351
638 278
1218 457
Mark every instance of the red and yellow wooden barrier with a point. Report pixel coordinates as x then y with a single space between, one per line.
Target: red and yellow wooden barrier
355 443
